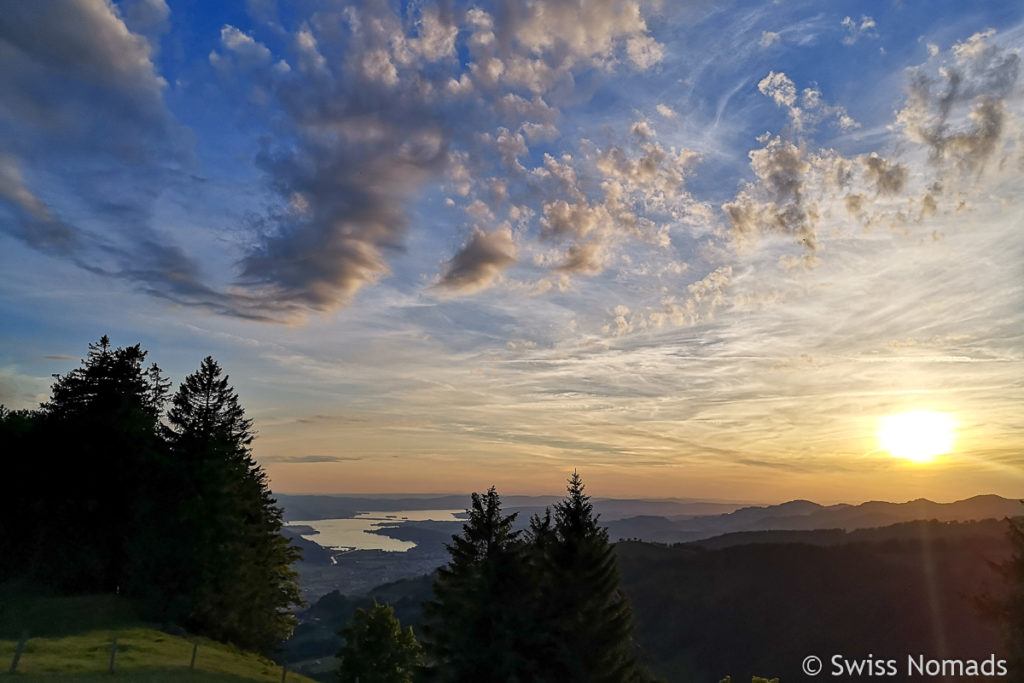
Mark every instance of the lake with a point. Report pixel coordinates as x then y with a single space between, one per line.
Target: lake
353 533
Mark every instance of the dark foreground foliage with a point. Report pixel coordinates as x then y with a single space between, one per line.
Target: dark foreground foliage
111 498
761 607
377 649
544 605
1006 607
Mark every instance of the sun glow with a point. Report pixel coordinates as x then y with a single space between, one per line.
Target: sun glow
919 436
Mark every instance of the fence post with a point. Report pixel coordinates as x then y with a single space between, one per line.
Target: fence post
113 655
18 651
192 664
284 672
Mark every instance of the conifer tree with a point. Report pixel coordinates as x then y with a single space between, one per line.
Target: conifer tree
1008 610
18 441
236 575
178 517
1014 571
376 649
590 619
481 624
100 431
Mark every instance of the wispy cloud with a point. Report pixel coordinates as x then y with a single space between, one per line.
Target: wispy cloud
540 230
855 30
309 459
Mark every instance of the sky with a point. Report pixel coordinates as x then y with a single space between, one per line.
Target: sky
690 249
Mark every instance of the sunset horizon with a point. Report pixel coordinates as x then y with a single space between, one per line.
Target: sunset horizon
712 252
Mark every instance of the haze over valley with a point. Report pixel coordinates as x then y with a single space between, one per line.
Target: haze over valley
393 544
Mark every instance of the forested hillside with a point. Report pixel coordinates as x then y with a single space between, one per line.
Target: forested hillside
759 604
763 607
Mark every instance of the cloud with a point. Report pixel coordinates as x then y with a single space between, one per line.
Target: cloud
249 52
769 38
805 110
888 178
346 419
367 107
775 202
537 45
480 260
779 87
307 459
644 51
587 257
34 222
361 101
705 296
150 18
702 299
855 31
104 71
960 113
959 116
375 126
536 117
346 165
576 30
80 97
436 32
593 202
619 325
17 389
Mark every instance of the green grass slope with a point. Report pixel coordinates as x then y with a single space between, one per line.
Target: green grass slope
70 640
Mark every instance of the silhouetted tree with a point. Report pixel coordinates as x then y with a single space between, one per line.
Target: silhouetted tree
94 448
179 517
1008 609
376 649
19 439
590 620
238 580
1014 571
481 624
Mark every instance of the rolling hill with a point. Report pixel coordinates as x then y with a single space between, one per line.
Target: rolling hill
70 639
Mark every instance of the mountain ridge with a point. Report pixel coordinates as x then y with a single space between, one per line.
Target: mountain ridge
807 515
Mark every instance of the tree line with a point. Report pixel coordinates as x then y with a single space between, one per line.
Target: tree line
541 604
116 486
546 604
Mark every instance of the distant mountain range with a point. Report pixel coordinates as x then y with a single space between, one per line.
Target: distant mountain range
667 520
313 507
806 515
303 507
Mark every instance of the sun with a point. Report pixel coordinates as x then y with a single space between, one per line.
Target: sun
919 436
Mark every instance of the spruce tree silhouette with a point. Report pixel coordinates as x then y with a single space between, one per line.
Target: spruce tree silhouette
481 624
546 607
95 448
240 586
589 618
